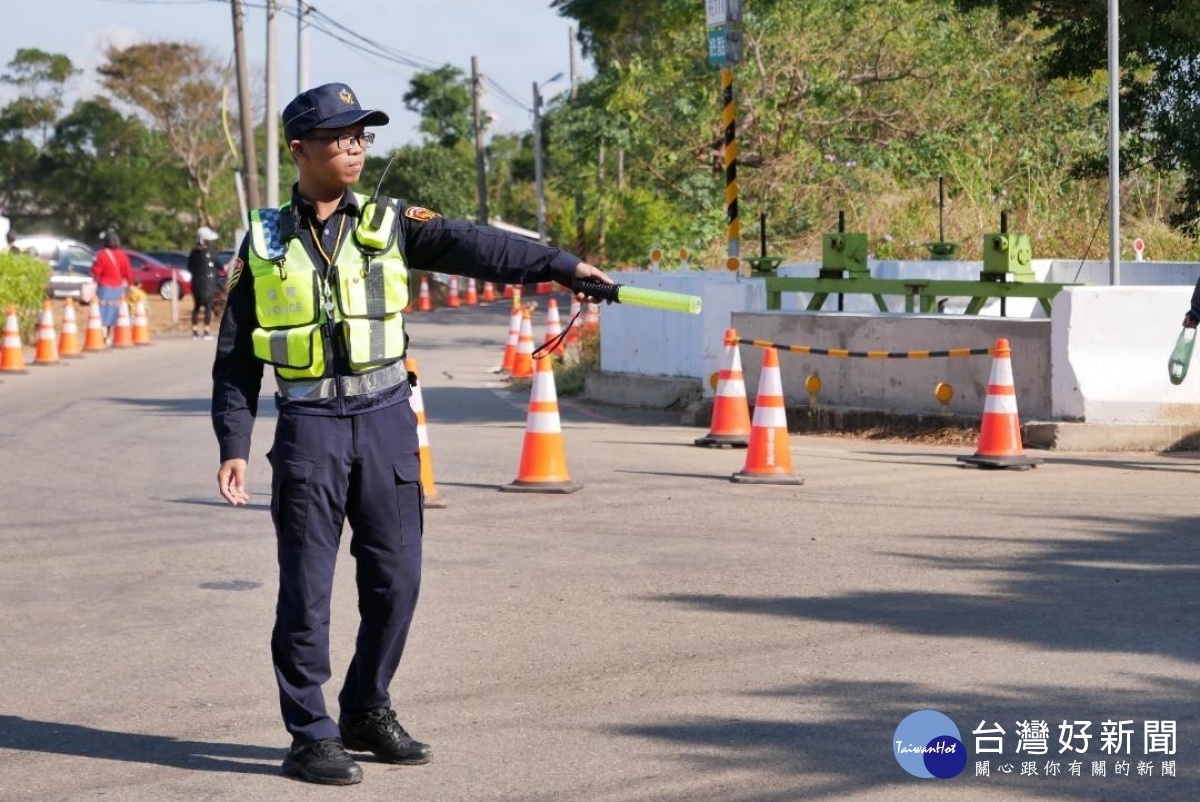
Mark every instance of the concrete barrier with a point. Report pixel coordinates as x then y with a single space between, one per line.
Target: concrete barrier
1099 361
1109 355
899 385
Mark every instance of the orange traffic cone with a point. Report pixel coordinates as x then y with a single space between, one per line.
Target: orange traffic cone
417 402
573 332
768 460
510 344
12 355
68 340
47 338
545 287
123 331
95 330
591 318
730 415
452 299
511 292
141 324
489 292
472 297
523 361
1000 433
423 302
553 325
543 462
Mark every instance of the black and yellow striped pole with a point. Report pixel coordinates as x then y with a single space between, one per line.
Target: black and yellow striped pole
733 225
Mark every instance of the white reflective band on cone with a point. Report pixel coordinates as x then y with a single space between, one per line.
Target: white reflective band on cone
542 423
766 417
1001 404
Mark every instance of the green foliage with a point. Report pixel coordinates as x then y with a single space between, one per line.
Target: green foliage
23 281
41 80
1160 84
178 86
443 99
430 175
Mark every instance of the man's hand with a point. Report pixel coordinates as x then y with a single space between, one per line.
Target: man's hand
1189 322
585 272
231 481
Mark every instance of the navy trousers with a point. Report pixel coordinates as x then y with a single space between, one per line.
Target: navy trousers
365 468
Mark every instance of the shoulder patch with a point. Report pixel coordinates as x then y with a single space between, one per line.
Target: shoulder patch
420 214
235 273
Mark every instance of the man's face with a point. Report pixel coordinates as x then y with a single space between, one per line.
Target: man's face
321 158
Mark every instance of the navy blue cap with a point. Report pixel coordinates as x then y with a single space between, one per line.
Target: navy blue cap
328 106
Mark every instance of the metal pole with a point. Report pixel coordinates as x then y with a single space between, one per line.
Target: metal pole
733 230
574 65
302 10
537 163
480 161
1114 145
245 110
272 121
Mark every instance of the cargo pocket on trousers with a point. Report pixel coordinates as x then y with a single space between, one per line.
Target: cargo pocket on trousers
290 496
410 501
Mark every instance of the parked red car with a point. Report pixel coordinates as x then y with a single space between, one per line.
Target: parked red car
153 276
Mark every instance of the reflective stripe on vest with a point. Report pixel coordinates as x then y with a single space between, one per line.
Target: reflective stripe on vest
356 384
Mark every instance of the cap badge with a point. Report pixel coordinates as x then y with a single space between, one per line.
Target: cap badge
345 96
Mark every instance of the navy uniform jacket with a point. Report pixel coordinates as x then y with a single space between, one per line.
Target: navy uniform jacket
427 242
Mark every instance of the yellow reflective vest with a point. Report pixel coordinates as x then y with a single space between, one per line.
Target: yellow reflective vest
359 300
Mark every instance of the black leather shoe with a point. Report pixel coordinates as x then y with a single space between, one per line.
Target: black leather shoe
378 732
325 762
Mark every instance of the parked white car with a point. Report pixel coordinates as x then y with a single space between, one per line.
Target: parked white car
70 265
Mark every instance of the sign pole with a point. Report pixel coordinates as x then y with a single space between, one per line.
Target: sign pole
733 226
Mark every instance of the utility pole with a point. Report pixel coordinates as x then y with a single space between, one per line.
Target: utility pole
600 211
1114 144
245 112
480 162
272 115
574 66
537 163
302 10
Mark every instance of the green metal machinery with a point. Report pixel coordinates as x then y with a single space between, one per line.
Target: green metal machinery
1006 274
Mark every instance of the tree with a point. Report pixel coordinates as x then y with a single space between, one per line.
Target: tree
1160 80
102 171
443 99
178 86
41 79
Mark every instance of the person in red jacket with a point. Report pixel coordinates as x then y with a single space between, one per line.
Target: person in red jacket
113 279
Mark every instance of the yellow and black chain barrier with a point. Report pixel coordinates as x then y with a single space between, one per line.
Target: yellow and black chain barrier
842 352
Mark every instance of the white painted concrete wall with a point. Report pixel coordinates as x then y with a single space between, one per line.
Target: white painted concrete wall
650 342
1107 348
899 385
1109 351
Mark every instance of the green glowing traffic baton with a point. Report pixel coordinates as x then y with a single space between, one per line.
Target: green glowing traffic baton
639 296
1181 356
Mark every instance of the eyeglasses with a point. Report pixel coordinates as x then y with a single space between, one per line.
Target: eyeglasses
346 141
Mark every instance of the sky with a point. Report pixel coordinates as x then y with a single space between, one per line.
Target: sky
516 42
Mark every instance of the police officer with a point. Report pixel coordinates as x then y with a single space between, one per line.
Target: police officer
316 291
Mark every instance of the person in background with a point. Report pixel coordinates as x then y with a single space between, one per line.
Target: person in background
202 264
112 275
9 239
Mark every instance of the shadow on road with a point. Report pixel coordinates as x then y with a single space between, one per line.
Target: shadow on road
833 738
1126 588
1134 591
72 739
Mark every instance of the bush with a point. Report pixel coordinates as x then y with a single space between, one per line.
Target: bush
23 280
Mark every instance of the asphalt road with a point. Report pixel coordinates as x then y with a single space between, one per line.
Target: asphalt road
664 634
